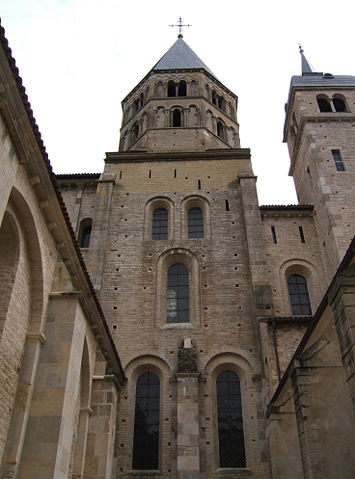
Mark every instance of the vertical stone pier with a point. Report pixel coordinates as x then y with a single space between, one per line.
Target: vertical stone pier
188 452
187 378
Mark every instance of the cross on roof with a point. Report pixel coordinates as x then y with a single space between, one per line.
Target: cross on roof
180 26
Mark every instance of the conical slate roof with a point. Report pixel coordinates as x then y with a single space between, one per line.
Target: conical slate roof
181 57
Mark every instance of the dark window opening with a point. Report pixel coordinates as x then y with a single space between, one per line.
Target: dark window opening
85 237
221 103
150 174
339 165
146 422
135 106
171 88
85 233
227 205
177 300
309 177
195 223
273 235
199 184
135 132
176 117
230 421
339 105
301 234
324 105
160 224
174 173
141 100
182 88
214 97
220 129
299 297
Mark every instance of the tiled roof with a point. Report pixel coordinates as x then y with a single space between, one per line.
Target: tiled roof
322 80
181 57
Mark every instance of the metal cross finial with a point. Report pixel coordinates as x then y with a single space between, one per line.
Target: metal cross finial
180 26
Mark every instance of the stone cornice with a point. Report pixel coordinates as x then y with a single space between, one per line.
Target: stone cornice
207 155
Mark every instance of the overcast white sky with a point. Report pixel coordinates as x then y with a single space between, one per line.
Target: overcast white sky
79 59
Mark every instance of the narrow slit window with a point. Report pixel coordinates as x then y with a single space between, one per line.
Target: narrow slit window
174 173
301 234
199 184
160 224
177 301
230 421
195 223
338 161
150 174
227 205
146 422
273 235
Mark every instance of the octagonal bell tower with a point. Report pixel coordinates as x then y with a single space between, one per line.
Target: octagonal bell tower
179 106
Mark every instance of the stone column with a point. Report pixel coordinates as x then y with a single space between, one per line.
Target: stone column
102 428
188 452
188 430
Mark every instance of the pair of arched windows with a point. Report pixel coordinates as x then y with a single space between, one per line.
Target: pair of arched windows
336 104
160 223
299 297
147 413
177 89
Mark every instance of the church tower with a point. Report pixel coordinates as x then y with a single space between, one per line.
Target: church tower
320 133
179 106
176 256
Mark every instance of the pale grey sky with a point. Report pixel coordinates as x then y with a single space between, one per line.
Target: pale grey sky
79 58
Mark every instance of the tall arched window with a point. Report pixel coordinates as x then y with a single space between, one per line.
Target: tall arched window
323 104
160 224
299 297
230 421
176 117
85 232
177 300
195 223
171 88
182 88
146 422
